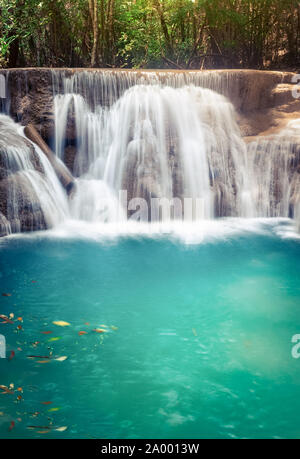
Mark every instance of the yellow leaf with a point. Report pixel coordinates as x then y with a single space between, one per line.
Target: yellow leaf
61 323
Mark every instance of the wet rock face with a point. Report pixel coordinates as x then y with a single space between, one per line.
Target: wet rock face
23 212
31 99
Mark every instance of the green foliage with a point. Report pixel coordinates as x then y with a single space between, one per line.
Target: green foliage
150 33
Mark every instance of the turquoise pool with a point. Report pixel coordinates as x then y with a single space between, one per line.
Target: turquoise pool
191 340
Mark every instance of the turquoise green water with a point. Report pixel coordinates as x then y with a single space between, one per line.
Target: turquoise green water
200 345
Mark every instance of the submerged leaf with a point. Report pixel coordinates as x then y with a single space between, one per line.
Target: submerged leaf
12 425
38 357
61 323
61 429
6 390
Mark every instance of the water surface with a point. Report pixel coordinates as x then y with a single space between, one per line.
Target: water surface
198 340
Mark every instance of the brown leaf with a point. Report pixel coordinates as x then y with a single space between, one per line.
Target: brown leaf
12 425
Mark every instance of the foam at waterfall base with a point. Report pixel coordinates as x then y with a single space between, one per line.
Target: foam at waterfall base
201 232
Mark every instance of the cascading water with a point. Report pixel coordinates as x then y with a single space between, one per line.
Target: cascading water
273 164
31 195
170 135
158 141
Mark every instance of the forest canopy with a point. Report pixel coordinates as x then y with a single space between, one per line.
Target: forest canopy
187 34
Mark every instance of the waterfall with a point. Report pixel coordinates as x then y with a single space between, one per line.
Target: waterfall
158 135
273 170
31 195
159 141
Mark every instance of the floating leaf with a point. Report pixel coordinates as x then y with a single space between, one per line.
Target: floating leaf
6 294
114 328
82 333
12 355
52 410
46 403
100 330
61 359
61 323
43 361
53 339
46 332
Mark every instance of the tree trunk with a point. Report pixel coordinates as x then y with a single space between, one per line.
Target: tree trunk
93 8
